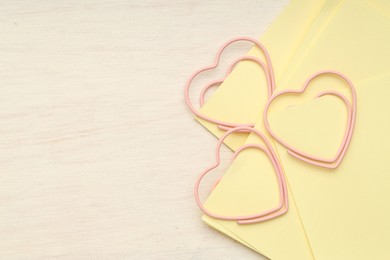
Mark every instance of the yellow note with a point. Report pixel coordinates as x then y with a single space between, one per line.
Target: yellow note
345 211
354 42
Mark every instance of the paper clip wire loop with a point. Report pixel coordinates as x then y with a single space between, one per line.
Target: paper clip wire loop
313 159
279 210
270 78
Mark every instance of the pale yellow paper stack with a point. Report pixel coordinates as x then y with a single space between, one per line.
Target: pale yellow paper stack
334 214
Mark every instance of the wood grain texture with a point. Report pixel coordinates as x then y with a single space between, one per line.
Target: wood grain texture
99 152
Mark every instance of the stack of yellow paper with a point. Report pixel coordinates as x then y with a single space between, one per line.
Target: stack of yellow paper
334 214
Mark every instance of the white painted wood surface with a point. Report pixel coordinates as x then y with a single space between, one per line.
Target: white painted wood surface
98 151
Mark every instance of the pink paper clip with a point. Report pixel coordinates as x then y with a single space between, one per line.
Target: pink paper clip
335 161
270 80
277 211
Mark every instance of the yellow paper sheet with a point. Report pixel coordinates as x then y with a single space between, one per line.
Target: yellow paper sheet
354 42
346 15
345 211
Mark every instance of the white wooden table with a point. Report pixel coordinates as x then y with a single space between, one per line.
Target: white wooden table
98 151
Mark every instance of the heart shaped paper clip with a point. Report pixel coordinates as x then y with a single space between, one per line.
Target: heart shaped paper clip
312 159
267 70
277 211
